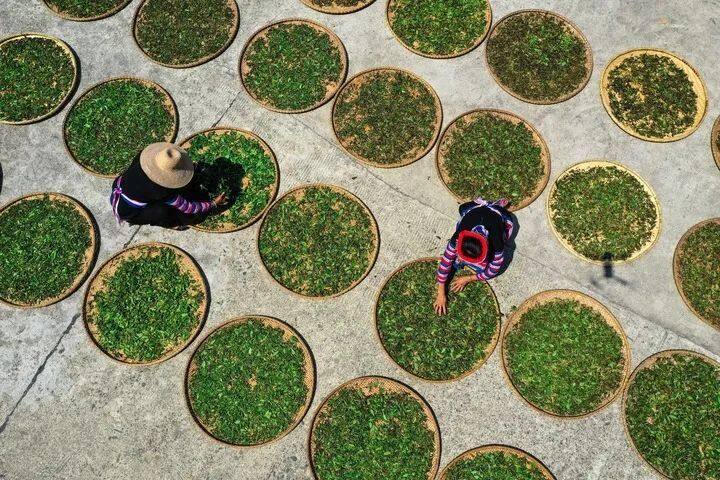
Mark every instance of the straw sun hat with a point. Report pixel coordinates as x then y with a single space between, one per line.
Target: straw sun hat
167 165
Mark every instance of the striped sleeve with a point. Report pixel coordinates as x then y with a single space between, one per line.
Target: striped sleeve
493 267
481 201
446 263
189 208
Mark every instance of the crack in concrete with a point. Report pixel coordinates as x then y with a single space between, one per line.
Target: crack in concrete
365 168
232 102
132 237
39 371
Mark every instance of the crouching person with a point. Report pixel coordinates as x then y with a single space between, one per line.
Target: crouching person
479 242
157 189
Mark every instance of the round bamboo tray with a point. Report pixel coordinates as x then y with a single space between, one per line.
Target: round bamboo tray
572 28
645 364
98 283
479 363
334 9
372 258
488 22
369 386
503 115
228 227
168 102
415 154
90 252
231 37
587 301
646 187
76 77
331 89
676 269
60 13
693 75
504 449
309 378
715 141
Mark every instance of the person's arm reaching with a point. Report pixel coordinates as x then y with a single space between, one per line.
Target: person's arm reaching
493 268
189 207
447 262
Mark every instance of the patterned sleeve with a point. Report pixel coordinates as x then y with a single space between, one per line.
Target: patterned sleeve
446 263
188 207
493 267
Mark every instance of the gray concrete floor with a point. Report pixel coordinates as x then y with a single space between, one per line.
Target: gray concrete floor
67 411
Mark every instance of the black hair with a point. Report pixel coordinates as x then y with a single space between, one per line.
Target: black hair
471 247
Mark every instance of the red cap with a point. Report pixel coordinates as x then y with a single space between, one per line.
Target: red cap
466 234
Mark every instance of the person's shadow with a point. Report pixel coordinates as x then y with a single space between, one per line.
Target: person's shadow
220 176
509 251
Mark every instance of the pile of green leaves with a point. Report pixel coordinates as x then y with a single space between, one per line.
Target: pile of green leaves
114 121
439 27
672 413
85 9
149 307
42 249
538 57
36 75
652 95
603 212
293 66
427 345
182 32
365 437
230 162
246 383
700 271
386 117
492 157
564 358
495 466
318 241
340 4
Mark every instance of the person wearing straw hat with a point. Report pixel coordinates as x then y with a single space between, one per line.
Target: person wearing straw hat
479 242
156 190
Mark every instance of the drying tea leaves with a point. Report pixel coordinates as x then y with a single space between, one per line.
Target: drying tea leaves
439 28
699 271
236 163
387 117
672 413
652 95
43 245
338 6
183 33
425 344
495 465
293 66
366 436
564 358
148 307
318 241
538 56
603 212
85 9
112 122
36 77
246 382
492 155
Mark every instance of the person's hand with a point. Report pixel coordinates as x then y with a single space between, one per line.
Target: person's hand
221 200
459 283
440 305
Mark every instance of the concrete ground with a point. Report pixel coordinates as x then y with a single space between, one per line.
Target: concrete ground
68 411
